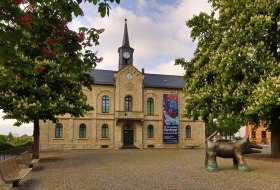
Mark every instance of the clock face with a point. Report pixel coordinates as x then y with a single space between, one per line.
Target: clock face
129 76
126 55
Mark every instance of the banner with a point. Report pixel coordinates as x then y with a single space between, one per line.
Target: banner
170 118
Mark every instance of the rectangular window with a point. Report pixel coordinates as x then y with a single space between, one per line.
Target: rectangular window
128 103
253 134
188 131
105 104
105 131
128 106
83 131
150 106
264 134
105 108
150 131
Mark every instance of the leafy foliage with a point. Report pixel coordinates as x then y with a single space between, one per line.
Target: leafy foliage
3 138
21 141
43 67
5 146
8 143
43 64
234 74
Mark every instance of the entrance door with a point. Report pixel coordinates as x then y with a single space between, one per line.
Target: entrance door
128 138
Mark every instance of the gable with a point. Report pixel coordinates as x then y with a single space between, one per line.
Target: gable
129 68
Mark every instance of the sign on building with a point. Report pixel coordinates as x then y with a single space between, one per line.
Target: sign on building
170 118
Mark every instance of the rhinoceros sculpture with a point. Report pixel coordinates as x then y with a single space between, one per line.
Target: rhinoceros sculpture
229 150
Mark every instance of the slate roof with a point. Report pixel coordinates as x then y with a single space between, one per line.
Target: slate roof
150 80
163 81
103 76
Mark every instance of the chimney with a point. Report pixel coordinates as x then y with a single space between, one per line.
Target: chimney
143 71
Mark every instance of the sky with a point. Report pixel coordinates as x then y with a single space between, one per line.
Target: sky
157 32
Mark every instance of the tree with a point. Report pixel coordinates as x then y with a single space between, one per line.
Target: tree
234 74
43 64
10 137
3 139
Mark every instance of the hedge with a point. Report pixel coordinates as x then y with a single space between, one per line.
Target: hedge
8 146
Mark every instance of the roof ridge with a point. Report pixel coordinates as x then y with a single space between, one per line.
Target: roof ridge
139 71
102 70
164 74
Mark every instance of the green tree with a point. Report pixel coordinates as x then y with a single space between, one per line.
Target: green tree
10 137
3 138
43 64
234 74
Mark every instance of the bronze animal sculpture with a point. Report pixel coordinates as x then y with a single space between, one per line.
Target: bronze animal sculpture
227 150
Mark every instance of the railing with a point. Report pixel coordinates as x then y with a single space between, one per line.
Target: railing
129 115
13 152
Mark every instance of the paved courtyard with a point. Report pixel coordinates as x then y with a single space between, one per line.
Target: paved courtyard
144 169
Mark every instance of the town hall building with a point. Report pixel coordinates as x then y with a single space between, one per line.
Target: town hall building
132 109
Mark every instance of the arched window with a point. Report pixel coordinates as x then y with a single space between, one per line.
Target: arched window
128 103
105 131
150 106
150 132
188 131
105 104
58 130
82 131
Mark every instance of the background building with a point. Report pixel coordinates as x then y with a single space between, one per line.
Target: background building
259 135
132 109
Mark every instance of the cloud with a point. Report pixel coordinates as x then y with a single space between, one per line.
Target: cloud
141 4
156 29
16 131
165 68
157 32
8 122
6 126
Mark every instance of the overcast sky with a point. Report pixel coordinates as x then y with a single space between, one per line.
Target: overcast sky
157 32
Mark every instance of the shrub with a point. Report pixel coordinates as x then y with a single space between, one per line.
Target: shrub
20 140
3 138
28 143
5 146
18 144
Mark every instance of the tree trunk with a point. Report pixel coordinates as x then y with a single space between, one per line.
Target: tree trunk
275 143
36 135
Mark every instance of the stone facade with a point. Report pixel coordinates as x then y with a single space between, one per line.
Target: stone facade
121 123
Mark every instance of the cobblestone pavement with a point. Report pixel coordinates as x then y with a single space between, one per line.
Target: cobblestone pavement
144 169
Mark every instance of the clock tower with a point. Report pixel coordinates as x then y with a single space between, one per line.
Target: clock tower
125 51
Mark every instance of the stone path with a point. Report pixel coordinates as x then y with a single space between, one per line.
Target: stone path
144 169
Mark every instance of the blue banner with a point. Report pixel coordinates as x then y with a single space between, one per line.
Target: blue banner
170 118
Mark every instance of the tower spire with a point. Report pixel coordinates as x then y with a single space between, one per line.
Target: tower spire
125 36
125 51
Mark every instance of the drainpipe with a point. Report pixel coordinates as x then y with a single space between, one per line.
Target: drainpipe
114 112
142 121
